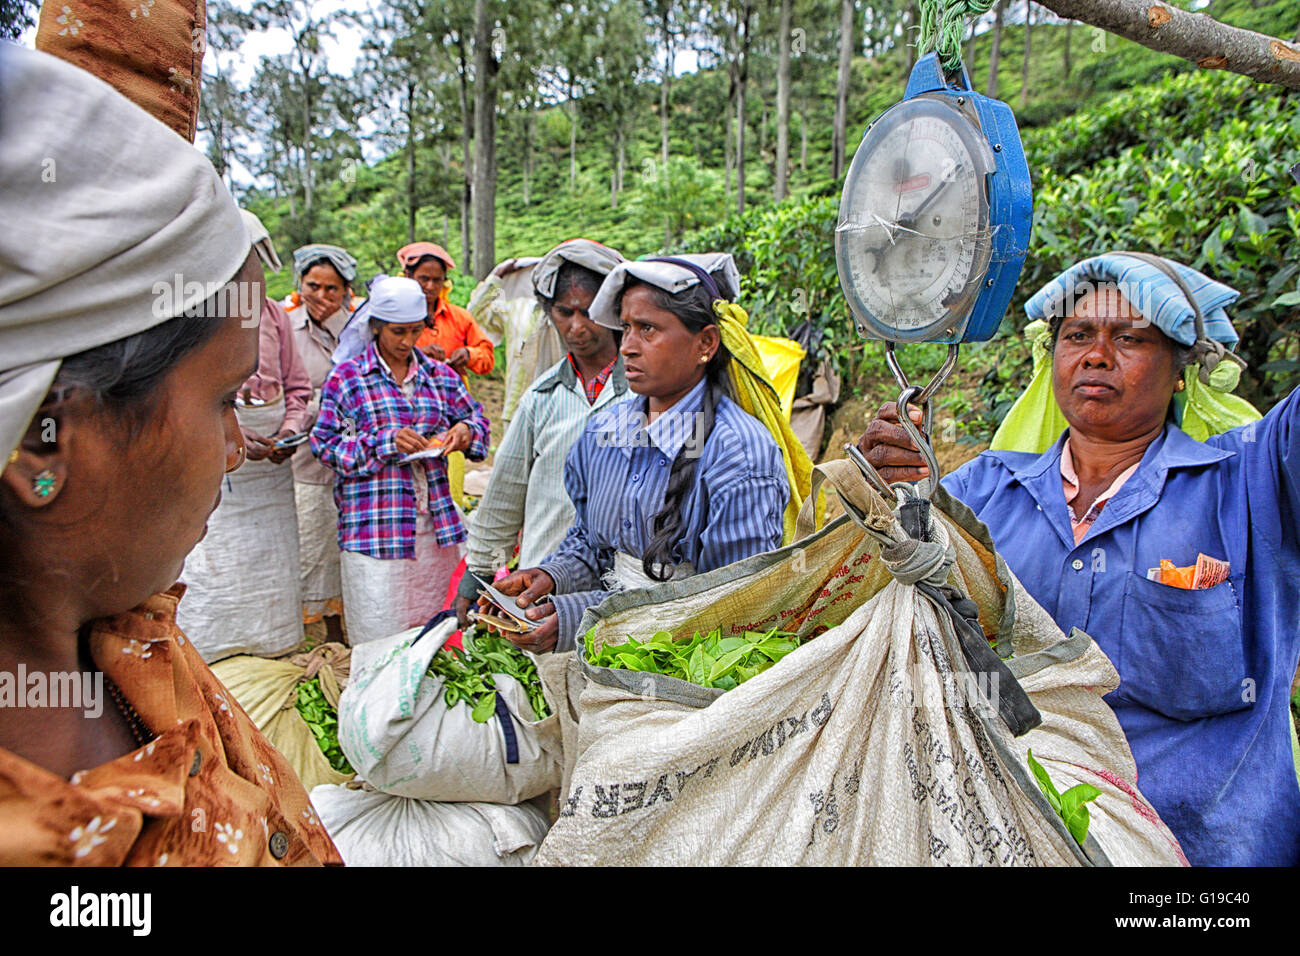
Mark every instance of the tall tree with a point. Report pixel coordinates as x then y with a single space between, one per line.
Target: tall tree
660 13
397 68
453 21
995 51
744 38
486 66
780 182
621 54
222 107
569 70
847 44
306 29
1024 68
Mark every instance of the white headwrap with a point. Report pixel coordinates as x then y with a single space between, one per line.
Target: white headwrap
395 299
663 275
581 252
261 241
113 224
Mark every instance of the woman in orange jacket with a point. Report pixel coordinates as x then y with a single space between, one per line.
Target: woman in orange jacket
452 335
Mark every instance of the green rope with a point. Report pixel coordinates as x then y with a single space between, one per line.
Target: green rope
942 27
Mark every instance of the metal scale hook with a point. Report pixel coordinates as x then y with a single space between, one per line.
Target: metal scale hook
910 395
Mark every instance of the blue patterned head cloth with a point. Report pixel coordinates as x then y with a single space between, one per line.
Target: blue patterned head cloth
1153 293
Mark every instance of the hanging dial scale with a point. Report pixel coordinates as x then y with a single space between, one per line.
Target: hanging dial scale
934 223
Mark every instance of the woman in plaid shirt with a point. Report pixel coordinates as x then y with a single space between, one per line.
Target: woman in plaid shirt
399 530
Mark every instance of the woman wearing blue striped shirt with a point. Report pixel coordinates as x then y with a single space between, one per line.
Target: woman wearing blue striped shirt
675 481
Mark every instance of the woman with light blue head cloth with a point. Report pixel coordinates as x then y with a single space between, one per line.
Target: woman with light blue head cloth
319 310
1136 513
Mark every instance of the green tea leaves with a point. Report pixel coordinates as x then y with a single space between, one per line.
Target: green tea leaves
323 720
709 660
467 674
1070 806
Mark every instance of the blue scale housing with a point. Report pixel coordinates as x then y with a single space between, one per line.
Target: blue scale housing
1010 195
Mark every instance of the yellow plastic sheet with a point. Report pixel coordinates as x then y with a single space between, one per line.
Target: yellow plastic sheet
781 357
751 384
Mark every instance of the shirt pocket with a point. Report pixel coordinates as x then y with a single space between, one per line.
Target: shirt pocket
1182 649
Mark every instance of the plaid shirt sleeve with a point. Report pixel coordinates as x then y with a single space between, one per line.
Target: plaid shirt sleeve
338 441
463 407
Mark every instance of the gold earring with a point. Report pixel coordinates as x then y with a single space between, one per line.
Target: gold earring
13 456
1181 386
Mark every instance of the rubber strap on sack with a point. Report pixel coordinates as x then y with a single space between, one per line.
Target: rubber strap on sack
432 623
1013 704
508 728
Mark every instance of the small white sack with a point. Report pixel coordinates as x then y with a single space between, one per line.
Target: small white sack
401 737
377 829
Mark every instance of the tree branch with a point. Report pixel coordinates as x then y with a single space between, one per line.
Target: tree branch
1192 36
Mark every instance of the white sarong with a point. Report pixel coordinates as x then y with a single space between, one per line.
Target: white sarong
242 579
318 548
384 596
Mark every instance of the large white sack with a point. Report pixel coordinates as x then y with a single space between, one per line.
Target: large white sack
873 743
378 829
401 737
243 587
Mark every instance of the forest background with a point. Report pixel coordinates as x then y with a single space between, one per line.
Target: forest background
501 128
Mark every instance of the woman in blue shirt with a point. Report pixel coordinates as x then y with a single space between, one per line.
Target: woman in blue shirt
675 481
1205 673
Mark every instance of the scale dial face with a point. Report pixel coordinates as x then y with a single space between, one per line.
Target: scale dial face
913 243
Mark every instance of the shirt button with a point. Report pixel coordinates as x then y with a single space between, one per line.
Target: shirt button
279 845
1076 564
636 477
198 762
663 462
626 523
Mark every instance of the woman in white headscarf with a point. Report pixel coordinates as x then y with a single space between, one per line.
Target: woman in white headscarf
129 300
679 479
399 530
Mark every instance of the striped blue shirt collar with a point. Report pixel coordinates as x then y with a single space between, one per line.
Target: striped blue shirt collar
674 427
626 424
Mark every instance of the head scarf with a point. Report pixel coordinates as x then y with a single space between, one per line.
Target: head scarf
394 299
1152 292
751 383
99 244
342 262
670 276
261 241
418 250
581 252
1205 407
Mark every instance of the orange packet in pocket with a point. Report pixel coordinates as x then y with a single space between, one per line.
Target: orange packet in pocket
1176 577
